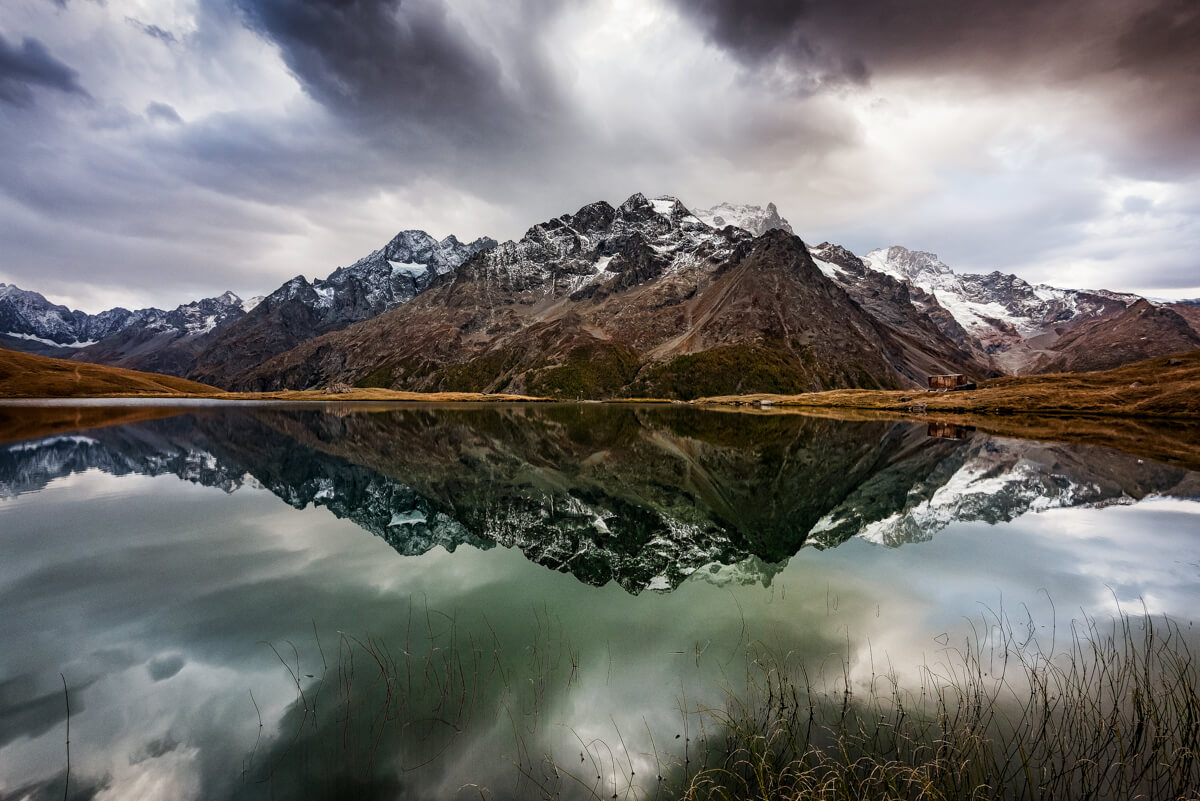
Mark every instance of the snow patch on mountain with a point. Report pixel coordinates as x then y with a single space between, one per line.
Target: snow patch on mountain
754 219
408 267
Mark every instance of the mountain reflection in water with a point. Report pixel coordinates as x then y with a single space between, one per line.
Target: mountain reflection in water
643 496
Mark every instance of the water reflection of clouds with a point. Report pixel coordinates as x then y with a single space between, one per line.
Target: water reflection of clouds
1050 568
162 591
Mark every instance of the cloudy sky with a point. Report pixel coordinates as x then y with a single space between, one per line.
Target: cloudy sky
157 150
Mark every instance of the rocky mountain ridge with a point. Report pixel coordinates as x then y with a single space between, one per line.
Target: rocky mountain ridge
1011 319
645 297
1142 331
201 338
300 310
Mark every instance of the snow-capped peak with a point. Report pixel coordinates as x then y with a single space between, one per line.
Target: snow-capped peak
918 267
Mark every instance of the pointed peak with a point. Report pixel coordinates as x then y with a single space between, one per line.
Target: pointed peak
409 235
636 202
593 217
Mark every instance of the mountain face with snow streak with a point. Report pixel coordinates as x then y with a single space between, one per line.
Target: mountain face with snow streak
117 337
754 219
209 338
935 341
644 298
300 310
30 323
1010 318
610 299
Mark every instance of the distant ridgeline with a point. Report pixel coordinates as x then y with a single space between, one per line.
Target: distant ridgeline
644 299
678 490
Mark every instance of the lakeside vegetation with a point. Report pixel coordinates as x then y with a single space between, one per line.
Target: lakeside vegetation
1112 715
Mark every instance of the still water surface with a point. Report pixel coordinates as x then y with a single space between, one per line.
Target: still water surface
270 602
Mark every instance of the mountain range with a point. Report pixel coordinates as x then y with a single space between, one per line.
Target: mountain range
646 298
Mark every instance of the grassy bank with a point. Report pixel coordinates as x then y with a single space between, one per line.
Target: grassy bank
1165 387
23 375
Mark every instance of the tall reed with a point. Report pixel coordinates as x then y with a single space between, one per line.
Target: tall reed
1113 714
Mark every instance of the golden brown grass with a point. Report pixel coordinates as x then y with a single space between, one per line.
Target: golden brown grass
1168 386
1163 388
23 375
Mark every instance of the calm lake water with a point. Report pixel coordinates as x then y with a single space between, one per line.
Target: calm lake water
496 601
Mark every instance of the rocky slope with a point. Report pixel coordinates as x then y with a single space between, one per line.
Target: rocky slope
645 298
300 310
1188 310
641 299
1143 331
936 342
209 337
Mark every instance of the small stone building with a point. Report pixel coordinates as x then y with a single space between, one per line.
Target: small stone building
949 383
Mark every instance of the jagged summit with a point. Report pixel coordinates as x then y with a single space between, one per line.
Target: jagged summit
642 298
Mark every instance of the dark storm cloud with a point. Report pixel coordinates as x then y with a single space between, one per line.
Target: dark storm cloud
316 130
31 65
392 63
164 667
164 112
1141 56
153 31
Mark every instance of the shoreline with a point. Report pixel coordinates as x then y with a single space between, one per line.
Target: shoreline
1170 440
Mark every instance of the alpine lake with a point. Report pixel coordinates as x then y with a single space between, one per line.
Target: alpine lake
355 600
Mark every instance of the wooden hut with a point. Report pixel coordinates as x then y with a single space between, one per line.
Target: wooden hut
950 383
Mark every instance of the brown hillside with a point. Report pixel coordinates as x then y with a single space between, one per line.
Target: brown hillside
23 375
1143 331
